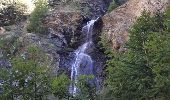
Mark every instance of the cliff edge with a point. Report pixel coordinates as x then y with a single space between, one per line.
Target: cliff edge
117 23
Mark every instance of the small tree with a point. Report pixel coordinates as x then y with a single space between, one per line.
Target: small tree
60 86
142 72
87 90
112 6
168 18
9 47
30 78
36 18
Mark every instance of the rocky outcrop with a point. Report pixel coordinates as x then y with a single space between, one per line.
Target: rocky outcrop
64 24
49 46
18 33
117 23
88 8
67 18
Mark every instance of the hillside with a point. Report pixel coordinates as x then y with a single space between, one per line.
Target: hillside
85 50
117 23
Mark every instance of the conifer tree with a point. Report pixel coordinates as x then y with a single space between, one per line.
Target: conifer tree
142 72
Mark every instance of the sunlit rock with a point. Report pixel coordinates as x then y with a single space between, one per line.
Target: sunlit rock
117 23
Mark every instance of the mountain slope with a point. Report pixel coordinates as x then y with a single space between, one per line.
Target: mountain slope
117 23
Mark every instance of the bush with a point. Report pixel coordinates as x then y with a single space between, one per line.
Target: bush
36 18
12 13
30 78
112 6
9 47
168 18
60 86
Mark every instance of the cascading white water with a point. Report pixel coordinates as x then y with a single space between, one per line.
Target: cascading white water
82 58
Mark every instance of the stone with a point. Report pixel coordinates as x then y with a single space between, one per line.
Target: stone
116 24
2 31
65 25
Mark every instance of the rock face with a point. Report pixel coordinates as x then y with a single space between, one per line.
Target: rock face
47 45
67 18
117 23
88 8
64 24
18 33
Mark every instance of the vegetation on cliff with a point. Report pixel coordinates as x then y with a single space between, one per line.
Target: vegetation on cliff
143 70
30 77
112 6
36 17
139 72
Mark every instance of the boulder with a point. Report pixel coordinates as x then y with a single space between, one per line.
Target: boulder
117 23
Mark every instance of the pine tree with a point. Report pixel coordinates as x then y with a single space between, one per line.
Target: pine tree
136 74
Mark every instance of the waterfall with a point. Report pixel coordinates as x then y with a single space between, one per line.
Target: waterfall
83 64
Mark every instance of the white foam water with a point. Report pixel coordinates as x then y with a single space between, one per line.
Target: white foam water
82 57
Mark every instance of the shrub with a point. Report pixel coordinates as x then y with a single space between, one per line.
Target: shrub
168 18
36 18
9 47
112 6
30 78
60 86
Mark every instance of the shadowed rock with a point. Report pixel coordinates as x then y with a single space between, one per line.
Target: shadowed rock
5 64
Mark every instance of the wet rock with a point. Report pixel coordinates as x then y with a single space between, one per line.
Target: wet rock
117 23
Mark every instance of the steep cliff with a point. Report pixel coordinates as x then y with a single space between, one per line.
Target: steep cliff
67 18
117 23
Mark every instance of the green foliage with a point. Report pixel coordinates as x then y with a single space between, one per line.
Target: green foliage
112 6
143 71
30 78
159 54
27 79
36 18
13 13
105 44
168 18
87 90
9 47
60 86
